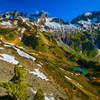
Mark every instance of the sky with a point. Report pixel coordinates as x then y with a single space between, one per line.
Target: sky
65 9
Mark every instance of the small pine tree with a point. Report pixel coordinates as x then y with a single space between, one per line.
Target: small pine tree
39 95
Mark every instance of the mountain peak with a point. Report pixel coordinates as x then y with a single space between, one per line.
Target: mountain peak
87 13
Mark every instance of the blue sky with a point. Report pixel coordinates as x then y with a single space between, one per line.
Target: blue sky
65 9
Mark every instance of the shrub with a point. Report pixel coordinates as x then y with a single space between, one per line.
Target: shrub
10 36
39 95
17 87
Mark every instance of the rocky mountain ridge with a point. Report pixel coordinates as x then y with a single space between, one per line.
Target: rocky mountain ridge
85 26
83 21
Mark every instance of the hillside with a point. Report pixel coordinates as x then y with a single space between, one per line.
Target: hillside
60 57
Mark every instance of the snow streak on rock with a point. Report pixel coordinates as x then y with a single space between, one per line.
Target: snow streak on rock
39 74
8 58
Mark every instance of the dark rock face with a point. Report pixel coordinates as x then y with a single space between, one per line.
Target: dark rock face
38 15
58 20
11 14
88 15
15 14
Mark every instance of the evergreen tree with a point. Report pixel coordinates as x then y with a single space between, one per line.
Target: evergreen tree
39 95
26 15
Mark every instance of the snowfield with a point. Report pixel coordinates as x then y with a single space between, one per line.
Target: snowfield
23 29
7 16
52 24
8 58
6 23
88 14
39 74
23 54
57 26
1 48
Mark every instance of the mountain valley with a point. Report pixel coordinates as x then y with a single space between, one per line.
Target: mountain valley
61 57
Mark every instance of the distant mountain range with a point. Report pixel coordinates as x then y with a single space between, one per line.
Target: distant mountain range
83 21
85 26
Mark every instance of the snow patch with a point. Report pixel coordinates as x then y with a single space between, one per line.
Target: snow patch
6 23
34 92
56 26
53 25
20 38
34 54
32 23
66 71
86 24
1 18
25 19
21 47
79 85
27 24
7 16
23 54
68 78
94 78
19 29
8 58
69 72
88 14
77 74
15 22
12 44
1 48
62 69
39 74
39 65
6 45
49 98
23 29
